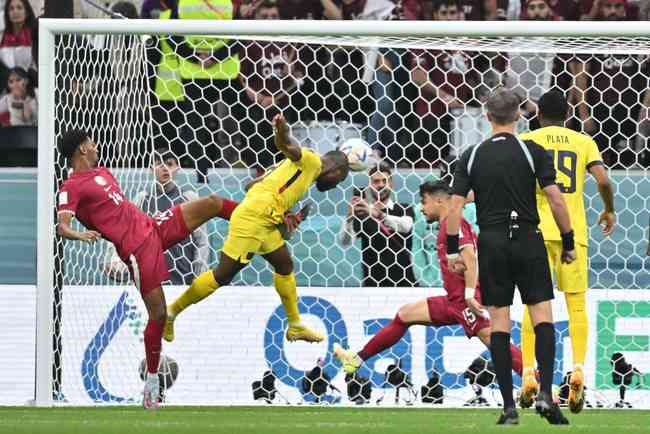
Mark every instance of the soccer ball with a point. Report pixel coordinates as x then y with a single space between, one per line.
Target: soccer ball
360 154
167 373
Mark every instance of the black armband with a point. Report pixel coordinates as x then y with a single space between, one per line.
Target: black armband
568 243
452 244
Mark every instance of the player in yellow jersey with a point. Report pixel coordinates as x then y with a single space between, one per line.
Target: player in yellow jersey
254 229
574 155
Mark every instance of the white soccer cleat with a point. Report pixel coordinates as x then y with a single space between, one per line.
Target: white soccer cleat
151 395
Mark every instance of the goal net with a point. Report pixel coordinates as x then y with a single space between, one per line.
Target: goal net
205 103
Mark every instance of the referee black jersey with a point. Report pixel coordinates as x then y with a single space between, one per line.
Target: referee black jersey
503 171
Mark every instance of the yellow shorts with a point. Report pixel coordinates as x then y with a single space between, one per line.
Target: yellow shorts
250 234
573 277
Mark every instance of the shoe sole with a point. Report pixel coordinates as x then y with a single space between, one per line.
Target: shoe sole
304 338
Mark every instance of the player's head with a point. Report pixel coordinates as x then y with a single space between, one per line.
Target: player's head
267 10
434 197
538 10
165 166
335 169
613 10
78 148
552 108
503 107
447 10
381 181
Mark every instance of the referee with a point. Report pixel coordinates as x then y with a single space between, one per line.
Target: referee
504 173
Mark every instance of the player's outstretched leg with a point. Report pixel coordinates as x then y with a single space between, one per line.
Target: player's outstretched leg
529 385
154 300
198 211
202 286
389 335
284 281
485 336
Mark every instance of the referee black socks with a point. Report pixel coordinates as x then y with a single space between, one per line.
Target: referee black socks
502 359
545 354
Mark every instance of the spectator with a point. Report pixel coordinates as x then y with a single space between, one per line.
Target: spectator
270 76
17 38
567 10
644 10
209 68
450 84
151 9
18 106
476 10
385 228
599 9
309 10
188 258
614 85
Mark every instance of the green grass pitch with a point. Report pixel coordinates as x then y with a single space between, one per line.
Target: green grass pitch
303 420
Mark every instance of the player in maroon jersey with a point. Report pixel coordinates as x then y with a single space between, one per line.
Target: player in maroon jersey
460 306
93 196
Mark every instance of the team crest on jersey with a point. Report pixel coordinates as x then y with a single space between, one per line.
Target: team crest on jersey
101 180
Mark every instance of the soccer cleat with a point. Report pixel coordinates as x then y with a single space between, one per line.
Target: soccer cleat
509 417
150 399
546 408
168 331
528 389
350 360
300 332
300 216
477 401
576 391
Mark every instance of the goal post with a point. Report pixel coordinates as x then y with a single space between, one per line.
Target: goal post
77 326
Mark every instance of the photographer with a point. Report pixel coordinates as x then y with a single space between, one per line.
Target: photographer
385 228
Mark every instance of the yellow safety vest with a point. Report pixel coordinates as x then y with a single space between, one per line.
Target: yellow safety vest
169 86
227 69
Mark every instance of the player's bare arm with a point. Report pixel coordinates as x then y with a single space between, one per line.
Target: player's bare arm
562 219
64 229
607 218
468 255
453 225
283 142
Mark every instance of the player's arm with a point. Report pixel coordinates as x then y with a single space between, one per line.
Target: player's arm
64 229
283 142
460 190
607 217
468 254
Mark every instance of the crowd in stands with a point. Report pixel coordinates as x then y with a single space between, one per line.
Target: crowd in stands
408 102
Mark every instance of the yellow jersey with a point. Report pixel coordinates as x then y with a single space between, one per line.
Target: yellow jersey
285 185
573 154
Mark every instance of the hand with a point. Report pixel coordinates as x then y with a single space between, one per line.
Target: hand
377 210
265 101
477 308
455 263
280 130
589 125
89 237
291 222
459 267
607 220
568 256
361 208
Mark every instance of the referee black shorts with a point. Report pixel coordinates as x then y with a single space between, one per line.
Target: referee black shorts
504 263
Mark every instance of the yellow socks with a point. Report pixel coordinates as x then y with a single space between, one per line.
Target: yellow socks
578 326
286 289
201 287
527 341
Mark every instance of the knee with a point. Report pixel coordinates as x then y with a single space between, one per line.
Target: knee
404 312
284 269
158 312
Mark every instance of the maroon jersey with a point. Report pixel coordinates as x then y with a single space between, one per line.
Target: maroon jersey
97 201
268 67
617 79
454 283
474 10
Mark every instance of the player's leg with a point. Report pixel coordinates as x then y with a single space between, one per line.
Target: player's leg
284 281
154 300
485 335
572 280
430 311
199 211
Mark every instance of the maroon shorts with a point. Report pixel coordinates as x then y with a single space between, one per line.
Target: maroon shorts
147 263
442 313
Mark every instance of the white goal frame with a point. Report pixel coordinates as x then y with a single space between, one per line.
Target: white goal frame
49 28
